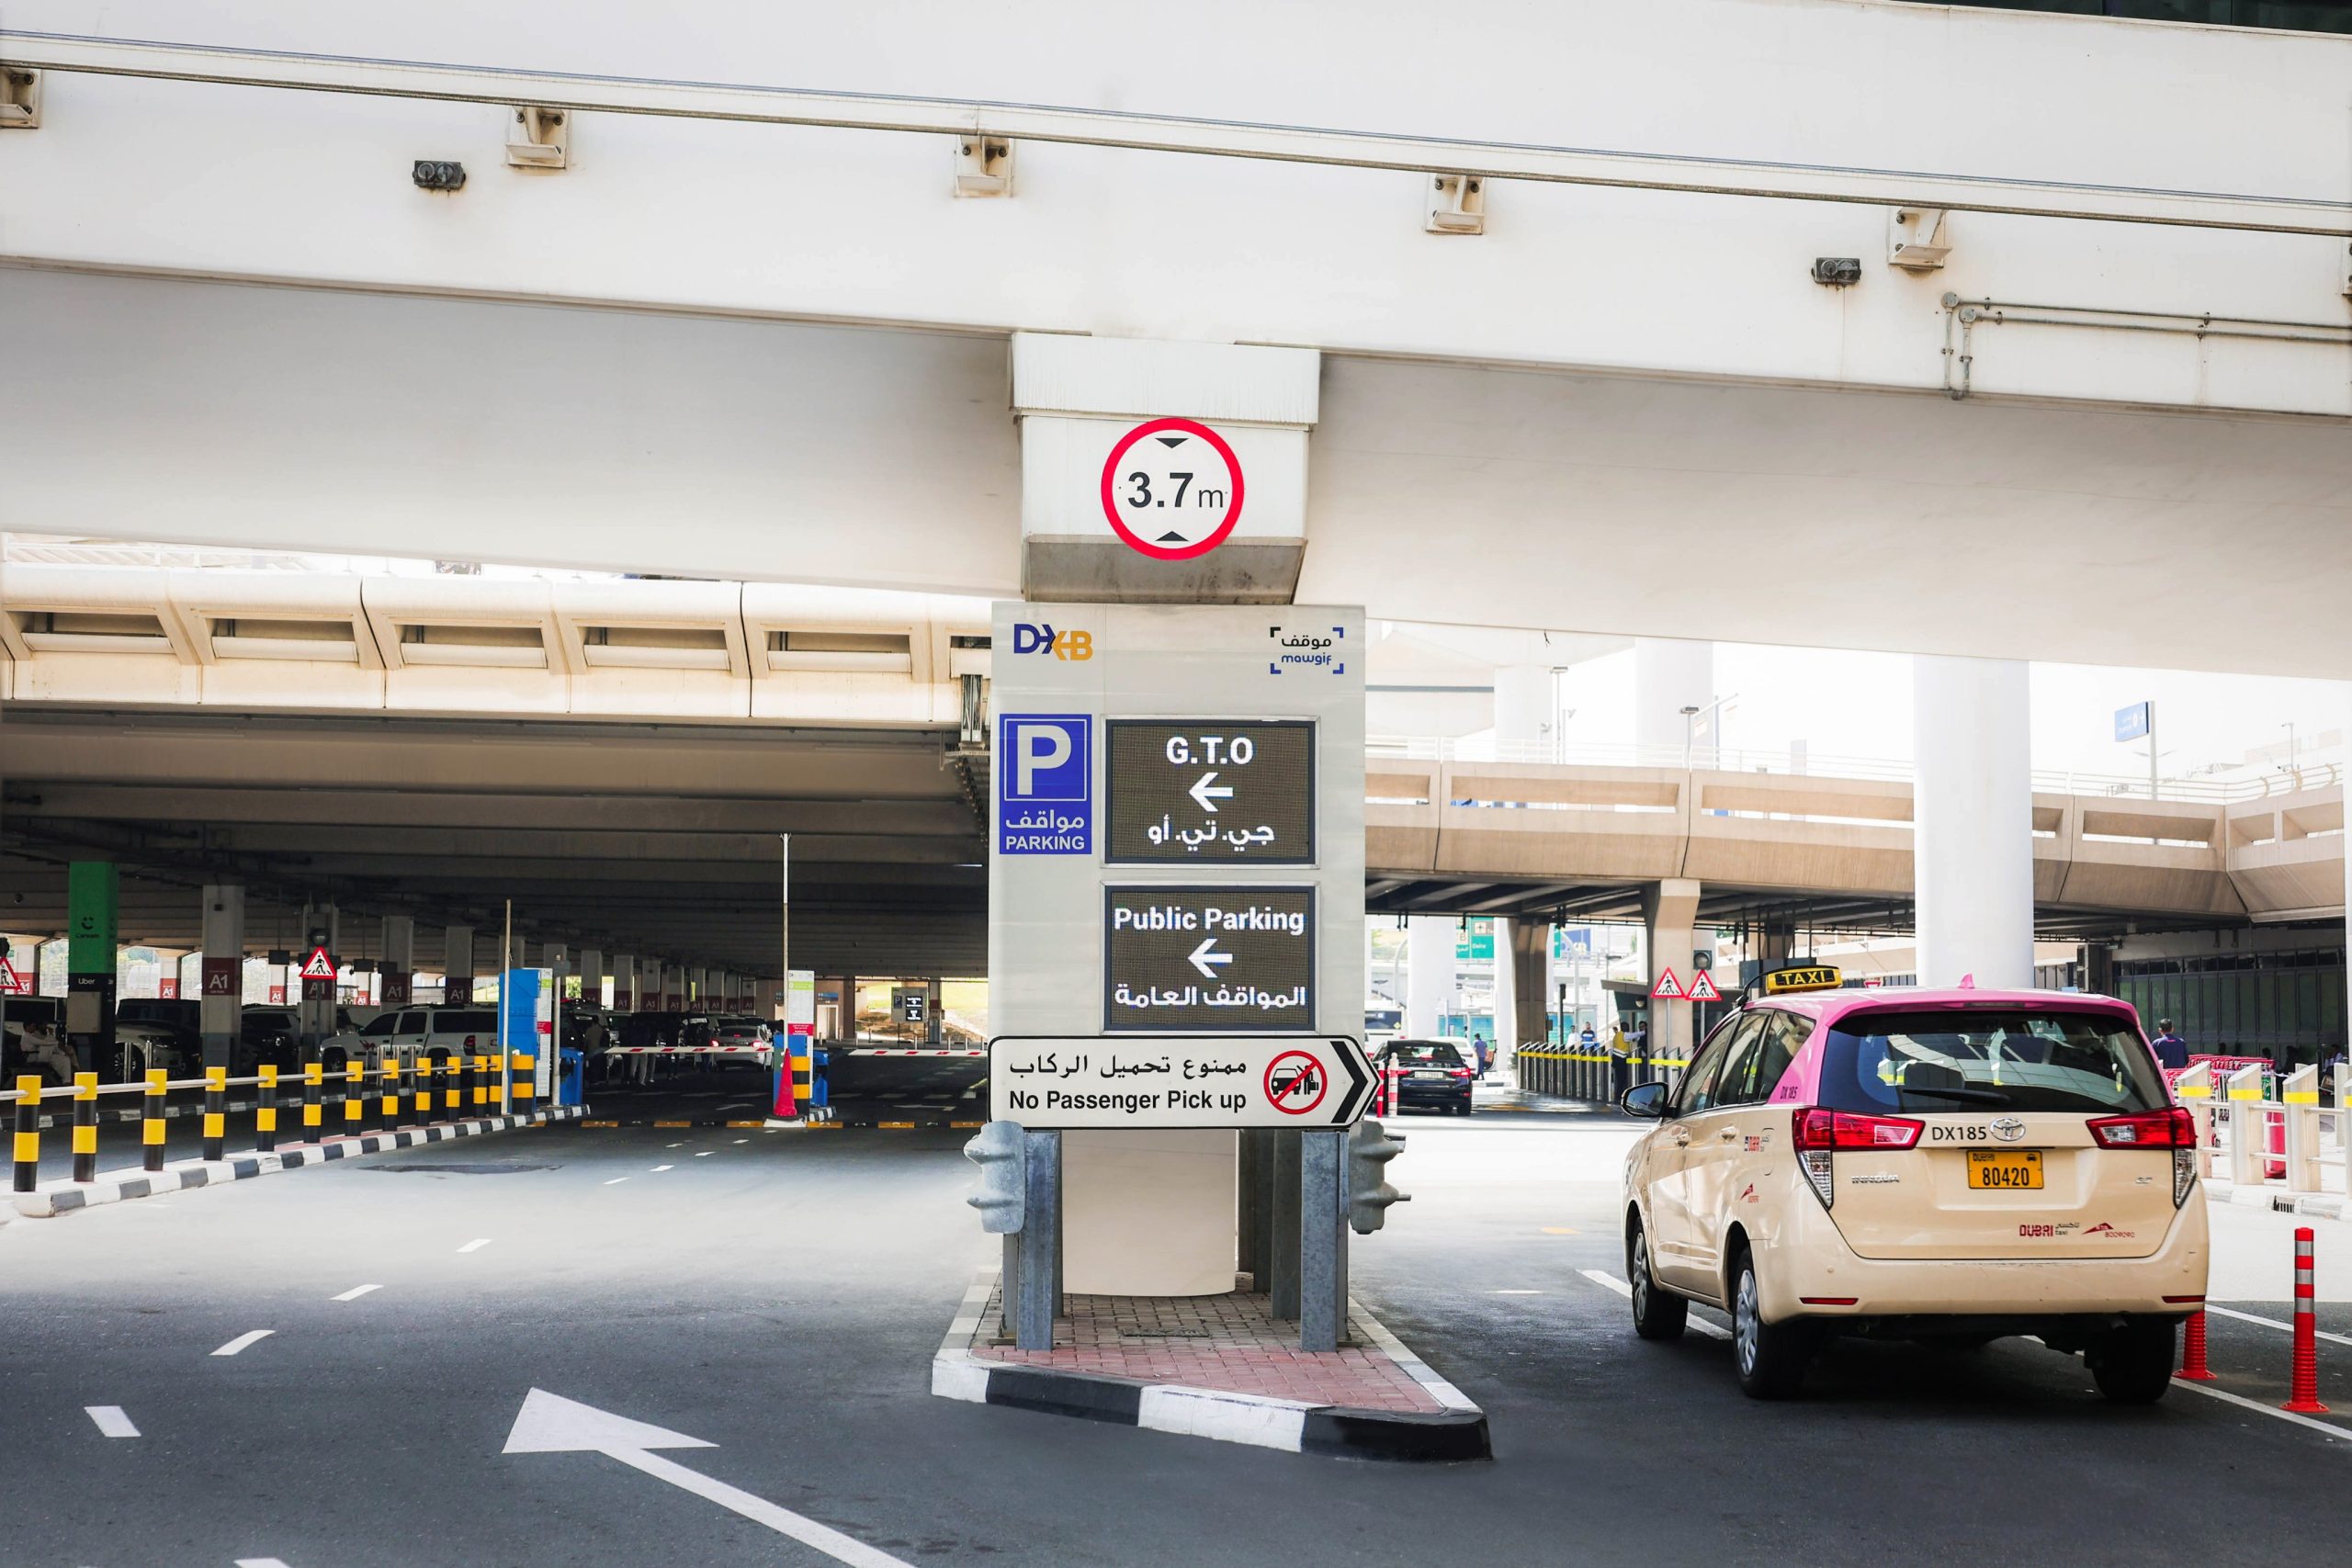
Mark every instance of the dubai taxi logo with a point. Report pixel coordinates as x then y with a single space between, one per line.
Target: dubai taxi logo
1074 647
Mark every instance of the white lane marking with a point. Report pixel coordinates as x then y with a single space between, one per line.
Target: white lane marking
353 1293
261 1562
742 1140
662 1167
251 1336
617 1180
1611 1283
479 1242
2261 1409
2272 1323
673 1146
704 1154
111 1421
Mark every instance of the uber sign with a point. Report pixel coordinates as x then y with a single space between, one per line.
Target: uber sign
1044 789
1211 791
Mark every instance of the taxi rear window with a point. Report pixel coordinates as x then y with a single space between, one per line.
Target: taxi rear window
1424 1054
1988 1059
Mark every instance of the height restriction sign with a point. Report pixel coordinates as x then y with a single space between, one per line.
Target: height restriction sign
1171 489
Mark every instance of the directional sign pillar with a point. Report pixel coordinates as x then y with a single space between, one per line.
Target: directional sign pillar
1322 1241
222 1004
1669 914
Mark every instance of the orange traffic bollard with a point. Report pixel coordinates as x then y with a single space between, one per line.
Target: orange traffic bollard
2192 1350
2304 1399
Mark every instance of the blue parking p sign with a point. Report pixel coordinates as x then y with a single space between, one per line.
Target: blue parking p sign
1044 790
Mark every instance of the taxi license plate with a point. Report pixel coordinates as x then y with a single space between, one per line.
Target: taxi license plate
2005 1169
1424 1074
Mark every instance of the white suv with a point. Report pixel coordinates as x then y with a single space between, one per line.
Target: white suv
432 1032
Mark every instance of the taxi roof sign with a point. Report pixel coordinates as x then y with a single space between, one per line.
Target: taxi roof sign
1813 977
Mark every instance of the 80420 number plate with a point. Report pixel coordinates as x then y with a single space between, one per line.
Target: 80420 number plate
2005 1169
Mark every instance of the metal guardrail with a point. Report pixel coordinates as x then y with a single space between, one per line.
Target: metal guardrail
451 1088
1886 770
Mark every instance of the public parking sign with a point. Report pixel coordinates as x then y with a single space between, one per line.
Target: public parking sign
1208 960
1196 792
1045 788
1204 1081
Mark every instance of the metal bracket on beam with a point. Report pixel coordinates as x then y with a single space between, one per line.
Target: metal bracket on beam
983 165
1457 205
1914 237
539 138
20 98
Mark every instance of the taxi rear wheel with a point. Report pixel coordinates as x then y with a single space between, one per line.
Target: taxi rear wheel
2133 1365
1658 1314
1770 1356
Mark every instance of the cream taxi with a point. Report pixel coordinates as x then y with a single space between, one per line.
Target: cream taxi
1943 1165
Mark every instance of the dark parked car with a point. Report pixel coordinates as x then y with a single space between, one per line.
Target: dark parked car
1435 1076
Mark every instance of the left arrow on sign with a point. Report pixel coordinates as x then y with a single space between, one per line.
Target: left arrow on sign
1207 959
549 1424
1202 792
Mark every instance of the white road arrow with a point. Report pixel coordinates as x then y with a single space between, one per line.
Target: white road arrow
549 1424
1203 790
1207 959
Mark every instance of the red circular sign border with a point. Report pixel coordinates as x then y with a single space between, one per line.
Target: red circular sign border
1111 504
1267 1083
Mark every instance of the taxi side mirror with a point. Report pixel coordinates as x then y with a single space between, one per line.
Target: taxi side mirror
1646 1100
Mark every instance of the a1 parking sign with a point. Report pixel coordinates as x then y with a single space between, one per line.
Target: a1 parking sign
1045 792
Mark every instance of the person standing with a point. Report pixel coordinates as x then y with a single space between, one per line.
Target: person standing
1484 1052
2171 1050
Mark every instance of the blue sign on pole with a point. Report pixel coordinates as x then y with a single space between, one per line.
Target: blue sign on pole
2132 723
1044 790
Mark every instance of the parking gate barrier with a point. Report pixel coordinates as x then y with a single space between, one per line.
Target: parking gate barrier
2244 1091
354 1097
85 1126
313 1081
150 1118
822 1060
2194 1089
2192 1350
266 1112
2304 1397
28 1133
216 1107
2299 1097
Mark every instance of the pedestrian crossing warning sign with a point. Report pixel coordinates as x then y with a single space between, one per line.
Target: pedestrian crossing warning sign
1702 989
318 967
10 982
1669 989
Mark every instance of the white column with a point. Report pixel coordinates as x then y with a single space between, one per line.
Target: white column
224 942
592 977
396 971
1973 820
1428 972
1670 674
458 963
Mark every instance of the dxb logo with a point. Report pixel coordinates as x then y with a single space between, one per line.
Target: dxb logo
1076 646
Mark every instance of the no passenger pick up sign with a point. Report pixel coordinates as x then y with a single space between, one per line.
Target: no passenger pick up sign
1199 1081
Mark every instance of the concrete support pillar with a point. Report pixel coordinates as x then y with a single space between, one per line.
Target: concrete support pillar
592 977
624 982
1526 949
1428 972
2099 969
458 963
223 987
675 989
1671 917
1526 712
396 975
1671 674
1973 820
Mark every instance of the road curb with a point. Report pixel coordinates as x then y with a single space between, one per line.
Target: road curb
118 1186
2317 1205
1451 1435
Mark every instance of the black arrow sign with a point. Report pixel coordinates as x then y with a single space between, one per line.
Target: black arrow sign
1352 1103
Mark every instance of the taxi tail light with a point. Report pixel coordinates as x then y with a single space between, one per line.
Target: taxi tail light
1457 1072
1817 1133
2171 1128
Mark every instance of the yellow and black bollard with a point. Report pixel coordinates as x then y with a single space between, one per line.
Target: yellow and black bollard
470 1092
484 1093
265 1113
391 1106
804 1088
424 1090
314 1077
151 1117
526 1080
28 1133
85 1126
453 1096
216 1113
355 1096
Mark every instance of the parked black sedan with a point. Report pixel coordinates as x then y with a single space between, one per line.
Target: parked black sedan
1434 1074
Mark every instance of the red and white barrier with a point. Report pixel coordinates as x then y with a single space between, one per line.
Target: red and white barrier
917 1051
2303 1399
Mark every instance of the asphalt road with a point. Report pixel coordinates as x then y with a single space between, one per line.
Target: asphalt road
779 1294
